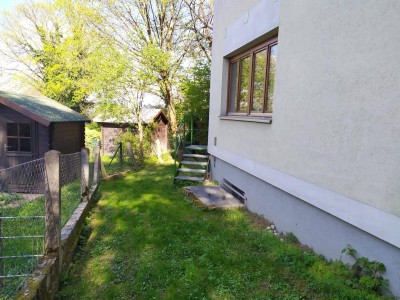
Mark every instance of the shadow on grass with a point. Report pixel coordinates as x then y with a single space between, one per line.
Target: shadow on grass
147 241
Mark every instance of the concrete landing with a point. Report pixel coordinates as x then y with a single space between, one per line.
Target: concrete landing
212 197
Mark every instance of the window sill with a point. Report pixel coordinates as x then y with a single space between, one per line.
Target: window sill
18 153
265 120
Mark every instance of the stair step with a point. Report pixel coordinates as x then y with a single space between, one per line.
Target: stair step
197 147
189 178
194 163
195 156
201 171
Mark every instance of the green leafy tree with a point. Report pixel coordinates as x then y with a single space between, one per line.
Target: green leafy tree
195 90
49 46
155 35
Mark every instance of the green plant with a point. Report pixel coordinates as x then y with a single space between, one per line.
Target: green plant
92 134
6 198
132 137
367 274
291 238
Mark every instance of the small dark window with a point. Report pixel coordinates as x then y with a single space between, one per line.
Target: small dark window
252 80
19 137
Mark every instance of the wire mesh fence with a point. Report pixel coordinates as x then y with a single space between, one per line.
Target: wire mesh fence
24 195
22 223
70 173
119 161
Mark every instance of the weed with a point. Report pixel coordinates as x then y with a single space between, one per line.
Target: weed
291 238
367 274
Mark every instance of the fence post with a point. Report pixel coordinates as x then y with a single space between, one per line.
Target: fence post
130 153
96 164
85 175
120 153
158 150
53 201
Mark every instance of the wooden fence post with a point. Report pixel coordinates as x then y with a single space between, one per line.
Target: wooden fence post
85 175
158 150
53 201
130 153
120 153
96 164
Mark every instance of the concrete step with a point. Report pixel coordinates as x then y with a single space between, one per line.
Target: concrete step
194 163
197 147
187 170
195 156
189 178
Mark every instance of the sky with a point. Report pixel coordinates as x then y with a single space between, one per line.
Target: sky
8 4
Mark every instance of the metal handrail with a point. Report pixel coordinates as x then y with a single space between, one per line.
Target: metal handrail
184 133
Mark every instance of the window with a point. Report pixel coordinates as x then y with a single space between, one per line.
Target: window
252 80
19 137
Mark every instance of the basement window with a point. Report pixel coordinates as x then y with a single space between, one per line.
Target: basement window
234 190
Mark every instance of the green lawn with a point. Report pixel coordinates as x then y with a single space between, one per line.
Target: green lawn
145 240
22 227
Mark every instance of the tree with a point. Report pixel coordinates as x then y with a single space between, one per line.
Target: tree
196 90
128 102
156 37
201 23
48 46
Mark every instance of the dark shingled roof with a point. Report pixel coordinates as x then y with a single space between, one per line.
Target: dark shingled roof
40 108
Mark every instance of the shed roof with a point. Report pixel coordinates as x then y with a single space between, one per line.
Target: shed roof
40 108
148 115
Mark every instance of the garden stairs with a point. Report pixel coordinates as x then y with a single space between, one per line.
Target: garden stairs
191 157
193 164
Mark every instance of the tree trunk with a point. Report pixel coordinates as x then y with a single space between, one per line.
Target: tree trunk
169 101
140 131
172 119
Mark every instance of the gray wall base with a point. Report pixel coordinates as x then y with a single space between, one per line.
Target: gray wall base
323 232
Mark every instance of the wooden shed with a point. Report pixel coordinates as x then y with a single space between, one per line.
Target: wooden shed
33 125
111 129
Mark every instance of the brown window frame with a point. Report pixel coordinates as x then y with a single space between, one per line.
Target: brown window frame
19 137
267 45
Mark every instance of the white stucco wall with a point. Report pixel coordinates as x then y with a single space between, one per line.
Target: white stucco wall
337 95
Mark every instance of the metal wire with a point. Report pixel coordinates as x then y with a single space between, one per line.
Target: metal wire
22 215
22 223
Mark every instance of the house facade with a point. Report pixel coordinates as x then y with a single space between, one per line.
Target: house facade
32 125
305 97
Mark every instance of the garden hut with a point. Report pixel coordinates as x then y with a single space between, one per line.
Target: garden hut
111 129
32 125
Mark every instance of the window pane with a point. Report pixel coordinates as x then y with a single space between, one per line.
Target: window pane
271 79
244 84
25 144
12 129
233 86
260 67
25 130
12 144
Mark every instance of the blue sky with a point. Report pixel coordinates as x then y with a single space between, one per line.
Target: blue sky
8 4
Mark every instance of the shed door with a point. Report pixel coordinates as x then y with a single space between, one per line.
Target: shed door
16 145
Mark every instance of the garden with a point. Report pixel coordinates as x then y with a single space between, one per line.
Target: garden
146 240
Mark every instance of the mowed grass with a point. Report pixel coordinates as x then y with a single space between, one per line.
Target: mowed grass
145 240
29 234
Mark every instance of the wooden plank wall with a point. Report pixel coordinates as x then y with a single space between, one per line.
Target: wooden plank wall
67 137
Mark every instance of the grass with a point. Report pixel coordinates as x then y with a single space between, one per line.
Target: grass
70 198
145 240
115 166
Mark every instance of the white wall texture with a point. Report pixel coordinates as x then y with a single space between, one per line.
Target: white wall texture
337 95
